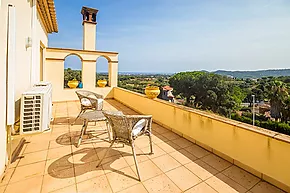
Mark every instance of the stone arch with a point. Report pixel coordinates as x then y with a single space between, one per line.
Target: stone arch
73 68
76 54
102 69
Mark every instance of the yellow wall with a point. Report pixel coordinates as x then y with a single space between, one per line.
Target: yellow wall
23 68
54 72
252 147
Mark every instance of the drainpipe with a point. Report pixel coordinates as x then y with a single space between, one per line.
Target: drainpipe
34 43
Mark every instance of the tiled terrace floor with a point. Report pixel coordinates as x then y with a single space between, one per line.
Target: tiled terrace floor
50 162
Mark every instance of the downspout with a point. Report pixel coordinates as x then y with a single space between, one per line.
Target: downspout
34 43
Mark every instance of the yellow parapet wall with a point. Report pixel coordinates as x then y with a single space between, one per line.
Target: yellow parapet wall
261 152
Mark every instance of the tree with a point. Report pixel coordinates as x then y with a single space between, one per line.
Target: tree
210 91
277 94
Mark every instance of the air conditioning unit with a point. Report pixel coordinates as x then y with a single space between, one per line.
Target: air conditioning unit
49 87
36 109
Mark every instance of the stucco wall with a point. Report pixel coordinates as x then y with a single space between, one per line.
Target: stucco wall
54 72
23 60
264 153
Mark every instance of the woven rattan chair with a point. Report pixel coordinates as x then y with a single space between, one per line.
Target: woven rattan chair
126 128
89 101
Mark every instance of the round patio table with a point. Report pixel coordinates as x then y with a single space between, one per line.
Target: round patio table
89 116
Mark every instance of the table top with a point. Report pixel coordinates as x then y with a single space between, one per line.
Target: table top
93 116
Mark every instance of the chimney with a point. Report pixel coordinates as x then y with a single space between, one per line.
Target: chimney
89 28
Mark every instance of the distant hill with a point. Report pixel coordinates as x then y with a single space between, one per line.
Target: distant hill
254 74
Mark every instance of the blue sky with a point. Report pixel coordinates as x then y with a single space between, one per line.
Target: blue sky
173 36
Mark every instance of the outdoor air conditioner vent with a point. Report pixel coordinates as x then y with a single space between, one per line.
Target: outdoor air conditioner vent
36 109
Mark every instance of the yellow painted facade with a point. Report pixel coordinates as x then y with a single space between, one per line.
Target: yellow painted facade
261 152
30 23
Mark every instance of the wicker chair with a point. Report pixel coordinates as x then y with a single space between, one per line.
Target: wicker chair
126 128
89 101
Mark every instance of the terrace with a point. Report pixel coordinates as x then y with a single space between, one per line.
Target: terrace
49 162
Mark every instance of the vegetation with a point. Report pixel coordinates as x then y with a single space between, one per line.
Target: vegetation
70 74
208 91
137 83
255 74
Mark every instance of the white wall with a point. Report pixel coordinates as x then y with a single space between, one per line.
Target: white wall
23 71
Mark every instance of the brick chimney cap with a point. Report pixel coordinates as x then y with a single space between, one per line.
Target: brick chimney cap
88 10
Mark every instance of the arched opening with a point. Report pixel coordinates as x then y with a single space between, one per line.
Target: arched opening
102 70
73 71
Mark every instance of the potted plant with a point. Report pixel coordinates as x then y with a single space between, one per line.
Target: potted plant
73 83
102 83
152 91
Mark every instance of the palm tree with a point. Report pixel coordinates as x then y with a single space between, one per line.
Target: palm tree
277 94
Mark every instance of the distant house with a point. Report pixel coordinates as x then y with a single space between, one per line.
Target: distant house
166 93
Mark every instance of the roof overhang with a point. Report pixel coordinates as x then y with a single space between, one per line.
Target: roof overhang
47 13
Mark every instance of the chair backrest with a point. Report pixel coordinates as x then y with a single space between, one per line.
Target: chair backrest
119 125
90 99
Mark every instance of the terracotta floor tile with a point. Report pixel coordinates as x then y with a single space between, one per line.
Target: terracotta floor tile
59 152
2 189
221 183
139 188
7 176
28 171
64 179
264 187
141 156
166 163
201 169
122 179
101 152
157 152
216 162
197 151
241 176
113 163
161 184
32 185
84 155
183 178
158 138
87 171
34 147
201 188
171 136
65 141
147 170
69 189
54 166
33 157
98 184
142 142
182 142
159 129
169 147
183 156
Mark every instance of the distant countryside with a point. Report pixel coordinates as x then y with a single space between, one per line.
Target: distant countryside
227 93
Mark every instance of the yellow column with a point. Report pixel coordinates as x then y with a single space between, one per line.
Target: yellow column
54 72
89 74
113 73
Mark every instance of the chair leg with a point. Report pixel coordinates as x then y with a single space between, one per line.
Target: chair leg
150 141
82 111
135 160
112 143
84 128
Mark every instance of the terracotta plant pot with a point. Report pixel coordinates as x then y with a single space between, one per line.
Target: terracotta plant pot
152 91
73 83
102 83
